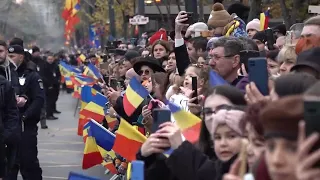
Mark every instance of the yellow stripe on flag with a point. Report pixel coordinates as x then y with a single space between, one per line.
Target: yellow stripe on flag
125 129
186 119
93 107
134 98
90 146
262 21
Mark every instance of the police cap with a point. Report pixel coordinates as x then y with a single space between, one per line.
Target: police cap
17 49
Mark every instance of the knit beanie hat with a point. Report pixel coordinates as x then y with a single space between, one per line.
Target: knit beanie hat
254 24
219 17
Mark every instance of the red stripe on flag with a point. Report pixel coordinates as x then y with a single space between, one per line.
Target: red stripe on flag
142 130
89 114
126 147
192 133
76 95
91 159
81 123
111 168
127 106
112 124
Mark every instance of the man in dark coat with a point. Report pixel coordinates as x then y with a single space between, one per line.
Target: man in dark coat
7 68
9 122
8 71
51 85
30 102
40 69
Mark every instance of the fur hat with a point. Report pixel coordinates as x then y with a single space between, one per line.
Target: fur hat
281 118
254 24
195 29
159 35
219 17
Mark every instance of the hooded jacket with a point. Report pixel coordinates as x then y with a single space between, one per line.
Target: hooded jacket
8 70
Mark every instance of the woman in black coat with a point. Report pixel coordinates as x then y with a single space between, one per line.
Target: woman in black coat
188 161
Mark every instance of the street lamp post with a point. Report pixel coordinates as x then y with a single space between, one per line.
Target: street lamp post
141 11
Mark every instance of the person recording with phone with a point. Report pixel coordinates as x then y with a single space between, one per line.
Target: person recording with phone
198 164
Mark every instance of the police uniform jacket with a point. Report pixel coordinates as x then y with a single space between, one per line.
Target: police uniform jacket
50 78
40 63
31 86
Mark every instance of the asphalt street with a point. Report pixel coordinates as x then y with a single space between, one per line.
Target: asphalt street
60 148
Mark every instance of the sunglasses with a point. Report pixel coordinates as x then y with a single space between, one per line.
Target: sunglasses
146 72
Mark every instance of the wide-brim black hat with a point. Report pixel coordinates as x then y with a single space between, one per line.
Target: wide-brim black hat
151 62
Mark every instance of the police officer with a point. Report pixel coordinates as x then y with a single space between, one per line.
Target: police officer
30 102
56 88
51 84
40 69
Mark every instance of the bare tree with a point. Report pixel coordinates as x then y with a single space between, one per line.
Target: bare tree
168 2
161 14
255 9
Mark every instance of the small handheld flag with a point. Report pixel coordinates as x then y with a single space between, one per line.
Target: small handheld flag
216 80
134 96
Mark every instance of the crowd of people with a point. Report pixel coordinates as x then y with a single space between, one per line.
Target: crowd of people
245 133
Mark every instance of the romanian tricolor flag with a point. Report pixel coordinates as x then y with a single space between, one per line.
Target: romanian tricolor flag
67 9
104 138
264 20
68 82
81 122
91 154
69 68
92 71
134 96
95 108
76 7
86 95
82 58
112 122
80 80
189 124
128 141
85 131
76 92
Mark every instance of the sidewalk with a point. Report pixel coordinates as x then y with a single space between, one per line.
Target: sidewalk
60 148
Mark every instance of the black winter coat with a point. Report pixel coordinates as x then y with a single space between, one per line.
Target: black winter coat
185 163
